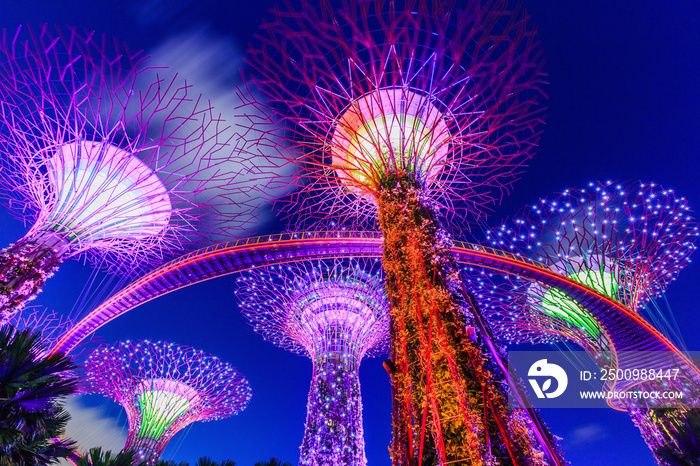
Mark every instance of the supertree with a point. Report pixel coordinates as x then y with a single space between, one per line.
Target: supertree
164 387
336 313
627 241
104 157
400 116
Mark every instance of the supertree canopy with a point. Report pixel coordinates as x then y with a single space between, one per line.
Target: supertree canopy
336 313
440 98
163 388
401 115
104 157
626 241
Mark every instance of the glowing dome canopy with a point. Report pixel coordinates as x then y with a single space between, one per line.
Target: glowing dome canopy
163 388
596 272
385 130
316 309
337 311
161 402
103 192
326 305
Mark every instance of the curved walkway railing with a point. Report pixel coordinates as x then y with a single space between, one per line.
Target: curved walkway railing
629 333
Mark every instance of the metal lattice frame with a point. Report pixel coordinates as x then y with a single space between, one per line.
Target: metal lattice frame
626 241
163 388
104 157
470 74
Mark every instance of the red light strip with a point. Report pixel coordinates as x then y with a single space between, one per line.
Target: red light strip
97 317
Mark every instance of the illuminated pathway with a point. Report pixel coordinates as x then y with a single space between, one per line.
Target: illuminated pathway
626 330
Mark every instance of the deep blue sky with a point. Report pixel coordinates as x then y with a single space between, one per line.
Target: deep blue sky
623 105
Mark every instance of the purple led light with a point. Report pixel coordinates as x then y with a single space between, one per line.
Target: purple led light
626 241
163 388
106 159
335 313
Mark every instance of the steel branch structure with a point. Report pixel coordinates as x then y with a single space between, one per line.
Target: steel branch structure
51 325
335 312
163 388
626 241
438 92
104 157
400 115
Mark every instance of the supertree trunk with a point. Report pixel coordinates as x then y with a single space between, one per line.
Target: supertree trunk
336 313
24 268
334 434
672 434
147 450
451 405
410 110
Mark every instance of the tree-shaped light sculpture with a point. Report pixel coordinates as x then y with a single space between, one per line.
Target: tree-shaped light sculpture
400 115
627 242
163 388
104 157
336 314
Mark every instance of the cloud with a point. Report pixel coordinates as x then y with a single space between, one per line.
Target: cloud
92 427
212 66
150 13
586 434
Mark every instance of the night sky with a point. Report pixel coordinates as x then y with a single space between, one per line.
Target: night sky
623 105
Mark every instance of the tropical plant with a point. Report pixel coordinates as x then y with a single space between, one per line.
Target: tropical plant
206 461
171 463
273 462
32 416
97 457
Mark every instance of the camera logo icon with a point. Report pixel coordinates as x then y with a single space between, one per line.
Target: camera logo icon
547 371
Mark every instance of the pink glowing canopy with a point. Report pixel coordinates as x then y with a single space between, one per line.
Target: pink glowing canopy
362 89
319 307
164 387
109 156
385 129
105 192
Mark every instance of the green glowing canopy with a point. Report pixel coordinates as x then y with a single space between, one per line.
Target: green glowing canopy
161 403
556 303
